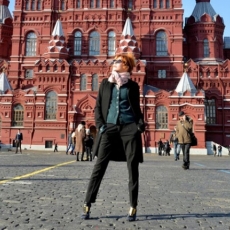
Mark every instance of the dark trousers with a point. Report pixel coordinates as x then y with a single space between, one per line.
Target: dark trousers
88 153
18 145
186 153
127 134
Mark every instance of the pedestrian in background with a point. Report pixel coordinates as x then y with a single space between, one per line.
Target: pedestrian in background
56 148
160 147
214 149
88 145
120 122
69 142
80 144
219 151
72 151
176 146
18 141
183 130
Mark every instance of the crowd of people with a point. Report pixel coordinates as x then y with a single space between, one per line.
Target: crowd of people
80 143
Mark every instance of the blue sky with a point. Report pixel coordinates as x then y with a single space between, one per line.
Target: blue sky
222 7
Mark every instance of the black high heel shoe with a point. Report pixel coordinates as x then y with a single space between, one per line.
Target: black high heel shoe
132 214
86 212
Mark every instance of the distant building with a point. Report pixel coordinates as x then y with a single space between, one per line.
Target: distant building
61 50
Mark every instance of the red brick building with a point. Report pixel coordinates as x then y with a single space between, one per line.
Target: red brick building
61 50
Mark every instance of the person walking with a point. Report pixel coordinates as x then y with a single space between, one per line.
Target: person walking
69 143
72 151
176 146
88 145
120 123
183 130
18 141
160 147
56 148
214 149
219 151
80 145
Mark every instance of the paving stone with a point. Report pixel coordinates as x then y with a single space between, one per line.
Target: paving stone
169 197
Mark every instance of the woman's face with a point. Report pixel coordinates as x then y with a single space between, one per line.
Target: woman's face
119 65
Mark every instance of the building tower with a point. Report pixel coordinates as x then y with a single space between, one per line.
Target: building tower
204 33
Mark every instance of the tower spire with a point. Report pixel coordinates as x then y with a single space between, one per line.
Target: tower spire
57 46
128 43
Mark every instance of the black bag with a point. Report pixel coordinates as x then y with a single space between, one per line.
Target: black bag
193 138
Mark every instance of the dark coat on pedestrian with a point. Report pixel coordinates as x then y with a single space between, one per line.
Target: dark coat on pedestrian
88 141
101 110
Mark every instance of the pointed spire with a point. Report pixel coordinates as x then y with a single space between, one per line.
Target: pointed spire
203 7
128 43
185 84
4 83
4 11
57 46
58 31
128 29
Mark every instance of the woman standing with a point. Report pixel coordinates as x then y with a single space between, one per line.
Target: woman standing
120 123
80 145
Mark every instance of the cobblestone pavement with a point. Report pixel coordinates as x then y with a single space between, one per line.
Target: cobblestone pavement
37 193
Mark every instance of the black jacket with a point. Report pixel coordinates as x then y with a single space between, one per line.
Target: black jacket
101 111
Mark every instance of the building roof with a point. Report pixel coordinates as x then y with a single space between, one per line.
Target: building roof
202 8
185 84
58 29
227 42
128 29
147 88
4 83
4 13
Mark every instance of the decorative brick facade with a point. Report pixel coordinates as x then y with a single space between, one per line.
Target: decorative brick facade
154 33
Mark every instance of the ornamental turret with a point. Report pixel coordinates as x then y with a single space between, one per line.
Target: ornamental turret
128 43
57 46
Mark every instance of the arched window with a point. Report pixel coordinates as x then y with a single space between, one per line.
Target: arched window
111 43
83 82
63 5
94 43
33 5
161 117
161 4
48 68
91 4
31 43
55 68
161 44
27 7
130 4
167 3
39 5
78 3
206 48
77 43
98 4
210 111
154 3
18 115
51 106
111 4
95 82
